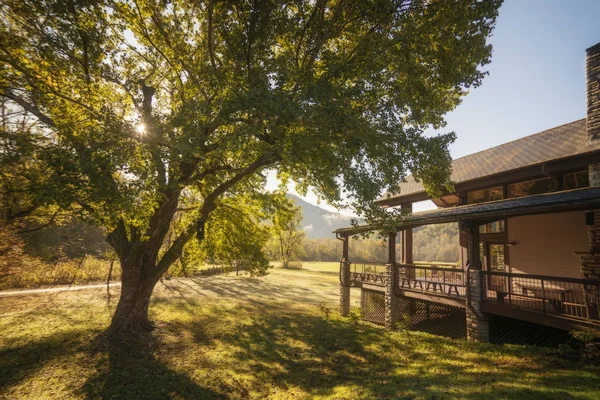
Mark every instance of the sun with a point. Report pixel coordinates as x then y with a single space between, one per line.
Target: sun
141 129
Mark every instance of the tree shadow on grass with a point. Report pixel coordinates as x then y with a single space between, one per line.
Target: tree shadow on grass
124 370
330 358
18 363
133 372
261 339
261 292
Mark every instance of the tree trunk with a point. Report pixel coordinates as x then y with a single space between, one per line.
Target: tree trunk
108 278
131 315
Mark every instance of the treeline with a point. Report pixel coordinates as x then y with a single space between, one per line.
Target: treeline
436 243
75 252
363 250
71 252
430 243
78 239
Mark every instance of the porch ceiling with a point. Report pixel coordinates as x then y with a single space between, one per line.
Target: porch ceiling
571 200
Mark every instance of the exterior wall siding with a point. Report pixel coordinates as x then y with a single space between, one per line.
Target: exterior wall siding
545 244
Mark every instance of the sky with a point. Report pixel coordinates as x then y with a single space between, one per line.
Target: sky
536 78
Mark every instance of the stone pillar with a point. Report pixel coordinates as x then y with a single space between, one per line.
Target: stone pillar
477 322
590 265
594 233
391 301
345 279
594 174
478 327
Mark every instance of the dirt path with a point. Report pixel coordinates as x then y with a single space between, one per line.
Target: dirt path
55 289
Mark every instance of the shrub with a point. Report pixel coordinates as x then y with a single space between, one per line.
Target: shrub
11 253
355 317
588 342
293 264
325 310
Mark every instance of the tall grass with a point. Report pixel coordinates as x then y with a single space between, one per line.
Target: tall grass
34 273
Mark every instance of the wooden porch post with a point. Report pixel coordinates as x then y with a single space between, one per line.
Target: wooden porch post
392 248
474 251
407 239
391 301
345 278
407 258
477 322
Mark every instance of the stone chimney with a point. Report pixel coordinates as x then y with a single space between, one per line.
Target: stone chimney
592 67
590 261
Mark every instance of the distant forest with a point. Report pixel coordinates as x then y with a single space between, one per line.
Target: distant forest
76 239
430 243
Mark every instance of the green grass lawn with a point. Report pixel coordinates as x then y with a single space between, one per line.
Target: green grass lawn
261 338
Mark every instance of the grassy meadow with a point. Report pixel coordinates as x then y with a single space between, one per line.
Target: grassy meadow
276 337
316 266
32 273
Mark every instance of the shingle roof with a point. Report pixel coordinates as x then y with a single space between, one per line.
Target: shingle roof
561 142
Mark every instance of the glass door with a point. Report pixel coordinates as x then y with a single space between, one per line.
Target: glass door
495 257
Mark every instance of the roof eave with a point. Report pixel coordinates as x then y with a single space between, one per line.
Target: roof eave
422 195
571 200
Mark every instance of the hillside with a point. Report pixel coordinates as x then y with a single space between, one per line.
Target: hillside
317 222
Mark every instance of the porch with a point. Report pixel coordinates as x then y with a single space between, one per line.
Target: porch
559 302
478 288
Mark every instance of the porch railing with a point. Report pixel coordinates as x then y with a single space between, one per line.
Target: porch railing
449 281
368 273
436 264
570 297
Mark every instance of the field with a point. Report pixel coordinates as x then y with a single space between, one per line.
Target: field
317 266
277 337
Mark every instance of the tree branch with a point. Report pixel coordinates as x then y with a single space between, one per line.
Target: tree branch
259 163
28 107
174 252
208 206
210 37
40 227
117 239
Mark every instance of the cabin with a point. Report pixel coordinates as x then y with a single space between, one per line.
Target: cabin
528 214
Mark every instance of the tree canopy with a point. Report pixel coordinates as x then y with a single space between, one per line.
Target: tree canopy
138 103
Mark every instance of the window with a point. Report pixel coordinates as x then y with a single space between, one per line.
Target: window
492 227
482 196
529 188
497 257
575 180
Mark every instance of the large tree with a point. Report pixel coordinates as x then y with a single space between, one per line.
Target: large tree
140 102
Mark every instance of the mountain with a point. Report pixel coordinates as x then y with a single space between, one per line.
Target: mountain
317 222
